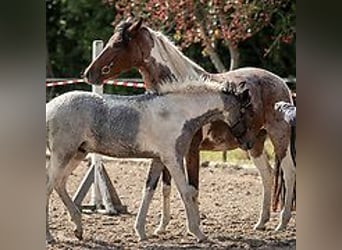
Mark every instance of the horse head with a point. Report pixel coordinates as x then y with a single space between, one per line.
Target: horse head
239 124
125 49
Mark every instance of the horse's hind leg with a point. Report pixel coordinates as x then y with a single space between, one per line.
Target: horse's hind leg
261 162
165 217
290 178
74 212
192 166
151 184
280 140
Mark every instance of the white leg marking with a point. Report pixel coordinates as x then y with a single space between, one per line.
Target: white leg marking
51 175
49 238
288 167
75 214
151 182
188 195
265 171
142 213
165 218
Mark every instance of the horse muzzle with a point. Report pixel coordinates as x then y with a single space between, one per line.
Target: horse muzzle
246 145
89 78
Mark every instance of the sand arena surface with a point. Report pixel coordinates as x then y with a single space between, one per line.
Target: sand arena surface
230 198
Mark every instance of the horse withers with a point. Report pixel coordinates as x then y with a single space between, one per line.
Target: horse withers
159 126
135 45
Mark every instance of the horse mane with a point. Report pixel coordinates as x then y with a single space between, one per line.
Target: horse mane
180 65
189 86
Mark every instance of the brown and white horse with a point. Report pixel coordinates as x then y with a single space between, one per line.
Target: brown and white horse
133 44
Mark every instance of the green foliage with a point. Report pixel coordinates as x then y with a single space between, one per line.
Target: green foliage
71 28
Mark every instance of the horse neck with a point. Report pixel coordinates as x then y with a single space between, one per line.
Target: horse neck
166 63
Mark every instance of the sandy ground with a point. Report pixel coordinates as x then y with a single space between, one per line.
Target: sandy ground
230 198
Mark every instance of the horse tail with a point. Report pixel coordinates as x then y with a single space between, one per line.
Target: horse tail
293 144
278 186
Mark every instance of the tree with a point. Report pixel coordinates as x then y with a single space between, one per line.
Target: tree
214 21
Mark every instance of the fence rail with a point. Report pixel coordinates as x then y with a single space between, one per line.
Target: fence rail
135 83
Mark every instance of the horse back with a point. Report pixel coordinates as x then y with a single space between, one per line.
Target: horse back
265 89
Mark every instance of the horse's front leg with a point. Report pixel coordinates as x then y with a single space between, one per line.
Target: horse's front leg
192 168
188 194
261 162
151 184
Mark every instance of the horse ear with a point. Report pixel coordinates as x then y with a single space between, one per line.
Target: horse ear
245 97
229 88
132 30
242 85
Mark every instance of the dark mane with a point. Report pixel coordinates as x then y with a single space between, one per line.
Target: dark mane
122 26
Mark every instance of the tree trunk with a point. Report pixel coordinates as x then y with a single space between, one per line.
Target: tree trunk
215 59
234 57
233 49
201 17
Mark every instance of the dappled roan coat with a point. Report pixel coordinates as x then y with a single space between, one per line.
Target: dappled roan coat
159 126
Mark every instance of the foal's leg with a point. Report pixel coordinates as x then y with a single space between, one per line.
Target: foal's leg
262 164
74 212
192 168
188 194
165 217
151 184
54 174
50 183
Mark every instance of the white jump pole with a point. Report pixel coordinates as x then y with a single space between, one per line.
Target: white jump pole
100 195
96 160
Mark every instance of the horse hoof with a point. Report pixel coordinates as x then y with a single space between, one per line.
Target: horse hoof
259 226
280 228
203 240
142 238
159 231
78 234
50 241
